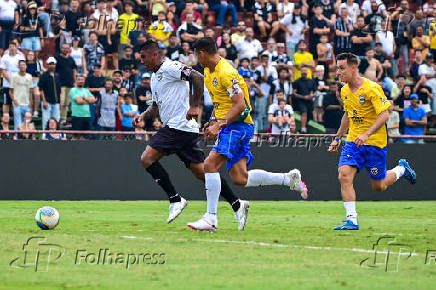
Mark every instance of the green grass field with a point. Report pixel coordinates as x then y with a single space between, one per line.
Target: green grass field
286 245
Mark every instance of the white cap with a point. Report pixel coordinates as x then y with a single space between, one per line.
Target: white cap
51 59
146 75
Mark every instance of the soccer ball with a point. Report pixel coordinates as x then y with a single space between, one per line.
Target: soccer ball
47 218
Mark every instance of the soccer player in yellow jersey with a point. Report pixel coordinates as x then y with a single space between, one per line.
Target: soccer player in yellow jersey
233 126
366 113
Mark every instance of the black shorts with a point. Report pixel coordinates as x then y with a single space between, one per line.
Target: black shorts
184 144
109 49
303 106
6 97
80 123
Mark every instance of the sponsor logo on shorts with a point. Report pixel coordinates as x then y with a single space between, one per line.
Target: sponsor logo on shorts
373 170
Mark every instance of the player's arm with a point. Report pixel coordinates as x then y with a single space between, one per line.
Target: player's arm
151 112
345 124
196 85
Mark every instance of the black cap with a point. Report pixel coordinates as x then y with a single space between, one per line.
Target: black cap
297 6
429 55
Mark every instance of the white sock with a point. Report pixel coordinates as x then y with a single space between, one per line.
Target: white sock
350 209
258 177
399 171
213 189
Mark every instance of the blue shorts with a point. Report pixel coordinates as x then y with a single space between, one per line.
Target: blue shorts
233 142
372 158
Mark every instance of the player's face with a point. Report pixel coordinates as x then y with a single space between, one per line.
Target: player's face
201 56
149 59
344 71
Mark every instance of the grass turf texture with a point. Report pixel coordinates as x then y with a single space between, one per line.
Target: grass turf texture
296 246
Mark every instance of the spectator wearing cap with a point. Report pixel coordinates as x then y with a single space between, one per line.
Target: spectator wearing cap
143 96
189 31
222 8
107 107
65 67
249 47
174 50
9 66
9 16
126 22
343 28
50 86
32 31
303 58
421 41
94 52
80 111
415 119
425 94
160 30
427 68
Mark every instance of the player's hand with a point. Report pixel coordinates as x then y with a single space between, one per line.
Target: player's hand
136 120
334 146
212 131
361 139
193 113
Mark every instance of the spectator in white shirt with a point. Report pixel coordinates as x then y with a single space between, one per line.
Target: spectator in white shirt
352 8
249 47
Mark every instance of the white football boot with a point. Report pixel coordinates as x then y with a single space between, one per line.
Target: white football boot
242 213
297 184
176 209
204 224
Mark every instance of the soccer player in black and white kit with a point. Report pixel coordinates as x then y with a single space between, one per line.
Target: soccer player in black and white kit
171 85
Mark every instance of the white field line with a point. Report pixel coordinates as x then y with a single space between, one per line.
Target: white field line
135 237
263 244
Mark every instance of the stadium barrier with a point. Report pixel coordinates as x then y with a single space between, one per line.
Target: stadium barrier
98 170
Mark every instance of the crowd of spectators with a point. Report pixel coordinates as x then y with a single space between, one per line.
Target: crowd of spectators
76 63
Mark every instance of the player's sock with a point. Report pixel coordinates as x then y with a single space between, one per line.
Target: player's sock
227 194
350 209
399 171
213 189
162 178
258 177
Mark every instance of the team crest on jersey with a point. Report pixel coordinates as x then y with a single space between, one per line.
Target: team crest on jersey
373 170
159 76
215 82
383 100
362 99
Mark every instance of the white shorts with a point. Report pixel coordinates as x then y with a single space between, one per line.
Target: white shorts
426 108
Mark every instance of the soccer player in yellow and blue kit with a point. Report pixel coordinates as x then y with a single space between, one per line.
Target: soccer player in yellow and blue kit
233 126
366 113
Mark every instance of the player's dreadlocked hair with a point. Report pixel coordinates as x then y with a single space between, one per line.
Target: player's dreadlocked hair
206 44
151 45
351 58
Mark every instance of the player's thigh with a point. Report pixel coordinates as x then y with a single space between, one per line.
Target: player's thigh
346 174
239 173
214 162
151 155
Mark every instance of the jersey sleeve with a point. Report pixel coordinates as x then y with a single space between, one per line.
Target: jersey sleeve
178 71
379 100
230 82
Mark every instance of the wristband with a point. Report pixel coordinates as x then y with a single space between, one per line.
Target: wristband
337 139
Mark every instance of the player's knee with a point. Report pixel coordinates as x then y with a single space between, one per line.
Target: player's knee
146 161
378 187
345 177
209 167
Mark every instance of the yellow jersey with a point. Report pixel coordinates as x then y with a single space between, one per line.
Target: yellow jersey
222 84
160 30
300 58
432 33
362 108
126 23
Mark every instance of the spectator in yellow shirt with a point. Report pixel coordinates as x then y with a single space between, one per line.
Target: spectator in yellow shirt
303 58
421 41
160 30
